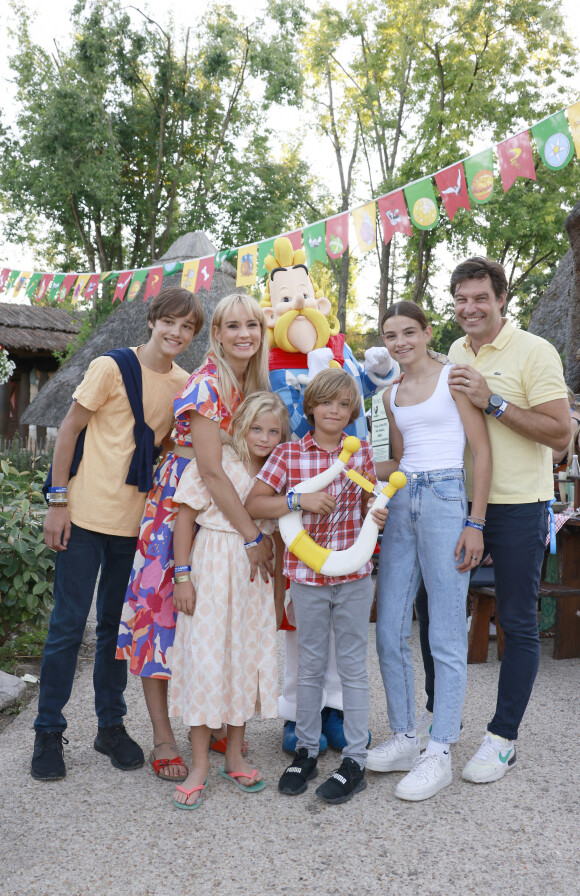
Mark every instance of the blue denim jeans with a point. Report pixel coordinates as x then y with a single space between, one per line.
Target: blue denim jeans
75 577
515 536
425 521
346 609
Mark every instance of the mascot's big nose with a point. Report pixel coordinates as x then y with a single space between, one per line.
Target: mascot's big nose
299 303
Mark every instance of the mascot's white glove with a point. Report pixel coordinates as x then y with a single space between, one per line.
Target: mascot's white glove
318 359
379 366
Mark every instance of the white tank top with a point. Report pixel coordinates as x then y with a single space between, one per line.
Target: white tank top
433 434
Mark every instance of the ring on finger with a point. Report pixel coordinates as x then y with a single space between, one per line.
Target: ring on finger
466 381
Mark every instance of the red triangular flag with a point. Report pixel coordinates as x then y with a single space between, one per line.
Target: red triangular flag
125 278
515 159
66 286
154 282
393 215
205 273
4 274
337 235
91 287
452 186
43 286
295 238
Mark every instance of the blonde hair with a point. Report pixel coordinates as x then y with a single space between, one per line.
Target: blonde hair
256 376
325 386
248 412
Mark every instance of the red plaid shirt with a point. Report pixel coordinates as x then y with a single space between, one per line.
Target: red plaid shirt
293 462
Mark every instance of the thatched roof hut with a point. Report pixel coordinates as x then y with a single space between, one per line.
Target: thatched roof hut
557 316
28 330
127 325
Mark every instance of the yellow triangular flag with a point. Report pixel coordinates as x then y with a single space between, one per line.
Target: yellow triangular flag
365 226
247 265
189 274
573 113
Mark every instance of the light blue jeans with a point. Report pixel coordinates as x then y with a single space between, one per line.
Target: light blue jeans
425 521
346 609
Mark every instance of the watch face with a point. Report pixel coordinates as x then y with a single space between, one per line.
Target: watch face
495 401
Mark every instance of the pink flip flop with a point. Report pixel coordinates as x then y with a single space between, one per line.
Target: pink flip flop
247 788
196 804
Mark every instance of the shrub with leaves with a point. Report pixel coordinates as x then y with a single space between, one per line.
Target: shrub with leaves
7 367
26 564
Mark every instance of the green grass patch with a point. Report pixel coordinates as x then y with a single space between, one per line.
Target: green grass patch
25 646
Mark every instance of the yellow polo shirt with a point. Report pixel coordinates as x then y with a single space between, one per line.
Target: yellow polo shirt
98 496
526 371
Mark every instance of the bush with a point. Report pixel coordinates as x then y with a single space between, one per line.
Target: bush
26 564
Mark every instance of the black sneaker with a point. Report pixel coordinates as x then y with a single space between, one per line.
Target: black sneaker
47 760
300 771
121 749
343 783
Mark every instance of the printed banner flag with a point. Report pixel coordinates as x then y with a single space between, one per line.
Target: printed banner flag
554 141
264 249
32 284
393 215
422 203
365 226
314 243
246 274
12 278
479 176
81 282
137 281
154 283
22 280
515 159
223 255
452 186
337 235
189 274
172 267
205 273
4 274
295 238
573 113
44 284
55 285
122 286
66 286
91 287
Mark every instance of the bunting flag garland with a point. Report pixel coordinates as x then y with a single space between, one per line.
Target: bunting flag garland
422 203
452 186
471 180
205 273
337 235
154 283
365 226
479 176
554 141
393 215
189 274
515 159
315 243
137 281
246 274
573 113
122 286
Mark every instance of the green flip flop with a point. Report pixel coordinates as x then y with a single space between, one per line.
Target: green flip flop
247 788
197 803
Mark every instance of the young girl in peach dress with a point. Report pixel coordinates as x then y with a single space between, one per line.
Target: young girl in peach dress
224 653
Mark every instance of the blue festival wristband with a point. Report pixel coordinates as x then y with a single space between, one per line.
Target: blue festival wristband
473 525
57 489
179 569
252 544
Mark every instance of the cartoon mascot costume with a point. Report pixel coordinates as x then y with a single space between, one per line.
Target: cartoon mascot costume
303 342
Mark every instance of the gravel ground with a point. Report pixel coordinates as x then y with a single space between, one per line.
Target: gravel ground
101 831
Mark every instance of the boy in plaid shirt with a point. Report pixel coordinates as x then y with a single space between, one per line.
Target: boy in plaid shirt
331 402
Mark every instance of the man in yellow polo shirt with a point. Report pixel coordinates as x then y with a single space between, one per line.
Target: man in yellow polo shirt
516 379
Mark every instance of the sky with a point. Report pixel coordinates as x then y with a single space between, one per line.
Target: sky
52 24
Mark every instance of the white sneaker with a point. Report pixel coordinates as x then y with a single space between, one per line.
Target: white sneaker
394 755
493 759
429 775
424 725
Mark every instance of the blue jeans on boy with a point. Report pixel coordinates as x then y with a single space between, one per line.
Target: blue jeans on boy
345 607
426 519
75 577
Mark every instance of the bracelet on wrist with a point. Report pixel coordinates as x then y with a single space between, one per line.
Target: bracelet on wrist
178 569
177 580
57 489
293 500
476 519
473 525
252 544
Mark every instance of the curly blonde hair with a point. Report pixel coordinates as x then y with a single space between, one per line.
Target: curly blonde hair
247 413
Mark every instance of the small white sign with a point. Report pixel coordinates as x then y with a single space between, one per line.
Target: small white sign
380 437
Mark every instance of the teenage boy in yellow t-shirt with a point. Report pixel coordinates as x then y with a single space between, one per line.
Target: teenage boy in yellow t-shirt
93 522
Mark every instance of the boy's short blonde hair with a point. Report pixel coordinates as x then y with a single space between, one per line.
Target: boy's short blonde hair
325 386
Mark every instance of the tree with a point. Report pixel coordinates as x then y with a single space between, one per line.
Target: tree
126 139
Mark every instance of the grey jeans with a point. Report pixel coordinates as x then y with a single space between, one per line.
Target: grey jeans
346 608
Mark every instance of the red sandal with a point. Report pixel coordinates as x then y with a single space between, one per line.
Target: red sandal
159 764
219 746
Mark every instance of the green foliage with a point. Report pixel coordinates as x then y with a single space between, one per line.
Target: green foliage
21 647
26 564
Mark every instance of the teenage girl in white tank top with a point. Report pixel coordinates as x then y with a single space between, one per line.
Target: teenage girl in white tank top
430 535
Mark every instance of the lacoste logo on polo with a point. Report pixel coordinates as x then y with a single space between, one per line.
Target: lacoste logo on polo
496 373
505 758
339 778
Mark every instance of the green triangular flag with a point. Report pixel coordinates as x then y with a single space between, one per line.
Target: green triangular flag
33 284
422 204
12 278
314 237
554 141
224 255
55 285
264 249
136 283
479 175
